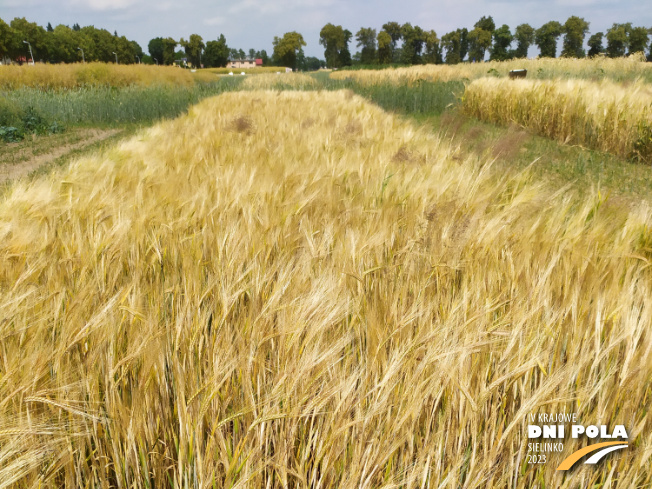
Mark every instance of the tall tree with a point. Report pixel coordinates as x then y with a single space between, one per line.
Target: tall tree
217 53
479 42
287 47
432 52
413 40
618 40
486 24
169 47
345 54
366 38
312 63
156 48
31 32
464 42
479 39
502 40
124 50
394 31
62 45
524 37
262 54
574 29
6 36
546 38
384 48
138 51
193 48
99 44
332 38
451 43
595 44
335 40
638 40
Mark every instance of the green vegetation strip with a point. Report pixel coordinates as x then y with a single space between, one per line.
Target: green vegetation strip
112 106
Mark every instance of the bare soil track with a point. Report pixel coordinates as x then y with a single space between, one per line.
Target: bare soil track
26 160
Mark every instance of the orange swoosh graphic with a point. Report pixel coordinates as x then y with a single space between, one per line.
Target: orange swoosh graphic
575 456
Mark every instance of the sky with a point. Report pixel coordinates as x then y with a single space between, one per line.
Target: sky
254 23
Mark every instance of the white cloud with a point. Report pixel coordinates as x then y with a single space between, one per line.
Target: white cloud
215 20
103 5
265 7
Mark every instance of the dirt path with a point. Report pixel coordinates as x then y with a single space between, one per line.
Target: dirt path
25 167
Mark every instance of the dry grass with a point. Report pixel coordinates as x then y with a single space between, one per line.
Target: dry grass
617 69
601 115
273 81
67 76
202 307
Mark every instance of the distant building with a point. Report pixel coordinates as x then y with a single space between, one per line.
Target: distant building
245 63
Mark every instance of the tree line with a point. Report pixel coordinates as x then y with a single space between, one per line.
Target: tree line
394 43
419 46
64 44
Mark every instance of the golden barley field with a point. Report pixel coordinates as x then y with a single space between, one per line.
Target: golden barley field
272 81
598 68
603 115
260 295
48 77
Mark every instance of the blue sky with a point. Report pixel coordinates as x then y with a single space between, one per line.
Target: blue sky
254 23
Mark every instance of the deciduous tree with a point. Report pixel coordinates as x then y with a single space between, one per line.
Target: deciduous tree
394 31
384 48
638 40
345 54
62 45
22 30
595 44
451 43
464 42
413 40
502 40
217 53
156 48
193 48
332 38
432 52
546 38
486 24
618 40
479 42
524 37
287 47
366 38
6 36
169 47
575 29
